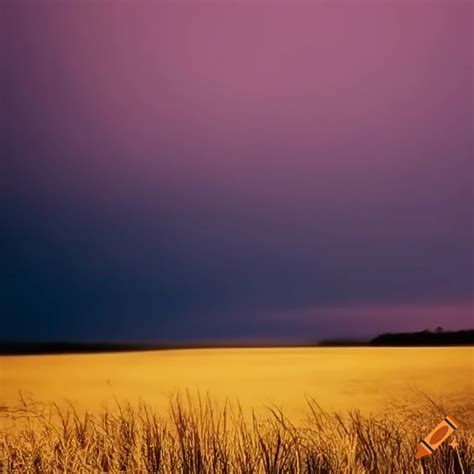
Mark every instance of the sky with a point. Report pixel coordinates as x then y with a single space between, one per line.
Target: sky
248 171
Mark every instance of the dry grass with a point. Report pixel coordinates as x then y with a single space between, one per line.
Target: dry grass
199 436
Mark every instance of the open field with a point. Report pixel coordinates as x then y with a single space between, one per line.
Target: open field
120 433
337 378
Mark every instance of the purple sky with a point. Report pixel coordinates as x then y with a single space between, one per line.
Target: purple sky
245 171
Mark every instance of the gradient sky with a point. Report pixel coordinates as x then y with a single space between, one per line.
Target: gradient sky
235 171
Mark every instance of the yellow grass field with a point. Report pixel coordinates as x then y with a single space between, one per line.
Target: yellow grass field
321 410
337 378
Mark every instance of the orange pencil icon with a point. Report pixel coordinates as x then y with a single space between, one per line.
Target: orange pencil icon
436 437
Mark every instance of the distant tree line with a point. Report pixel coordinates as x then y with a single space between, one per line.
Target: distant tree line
438 337
426 338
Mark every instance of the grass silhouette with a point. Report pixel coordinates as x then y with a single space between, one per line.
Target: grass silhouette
198 435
